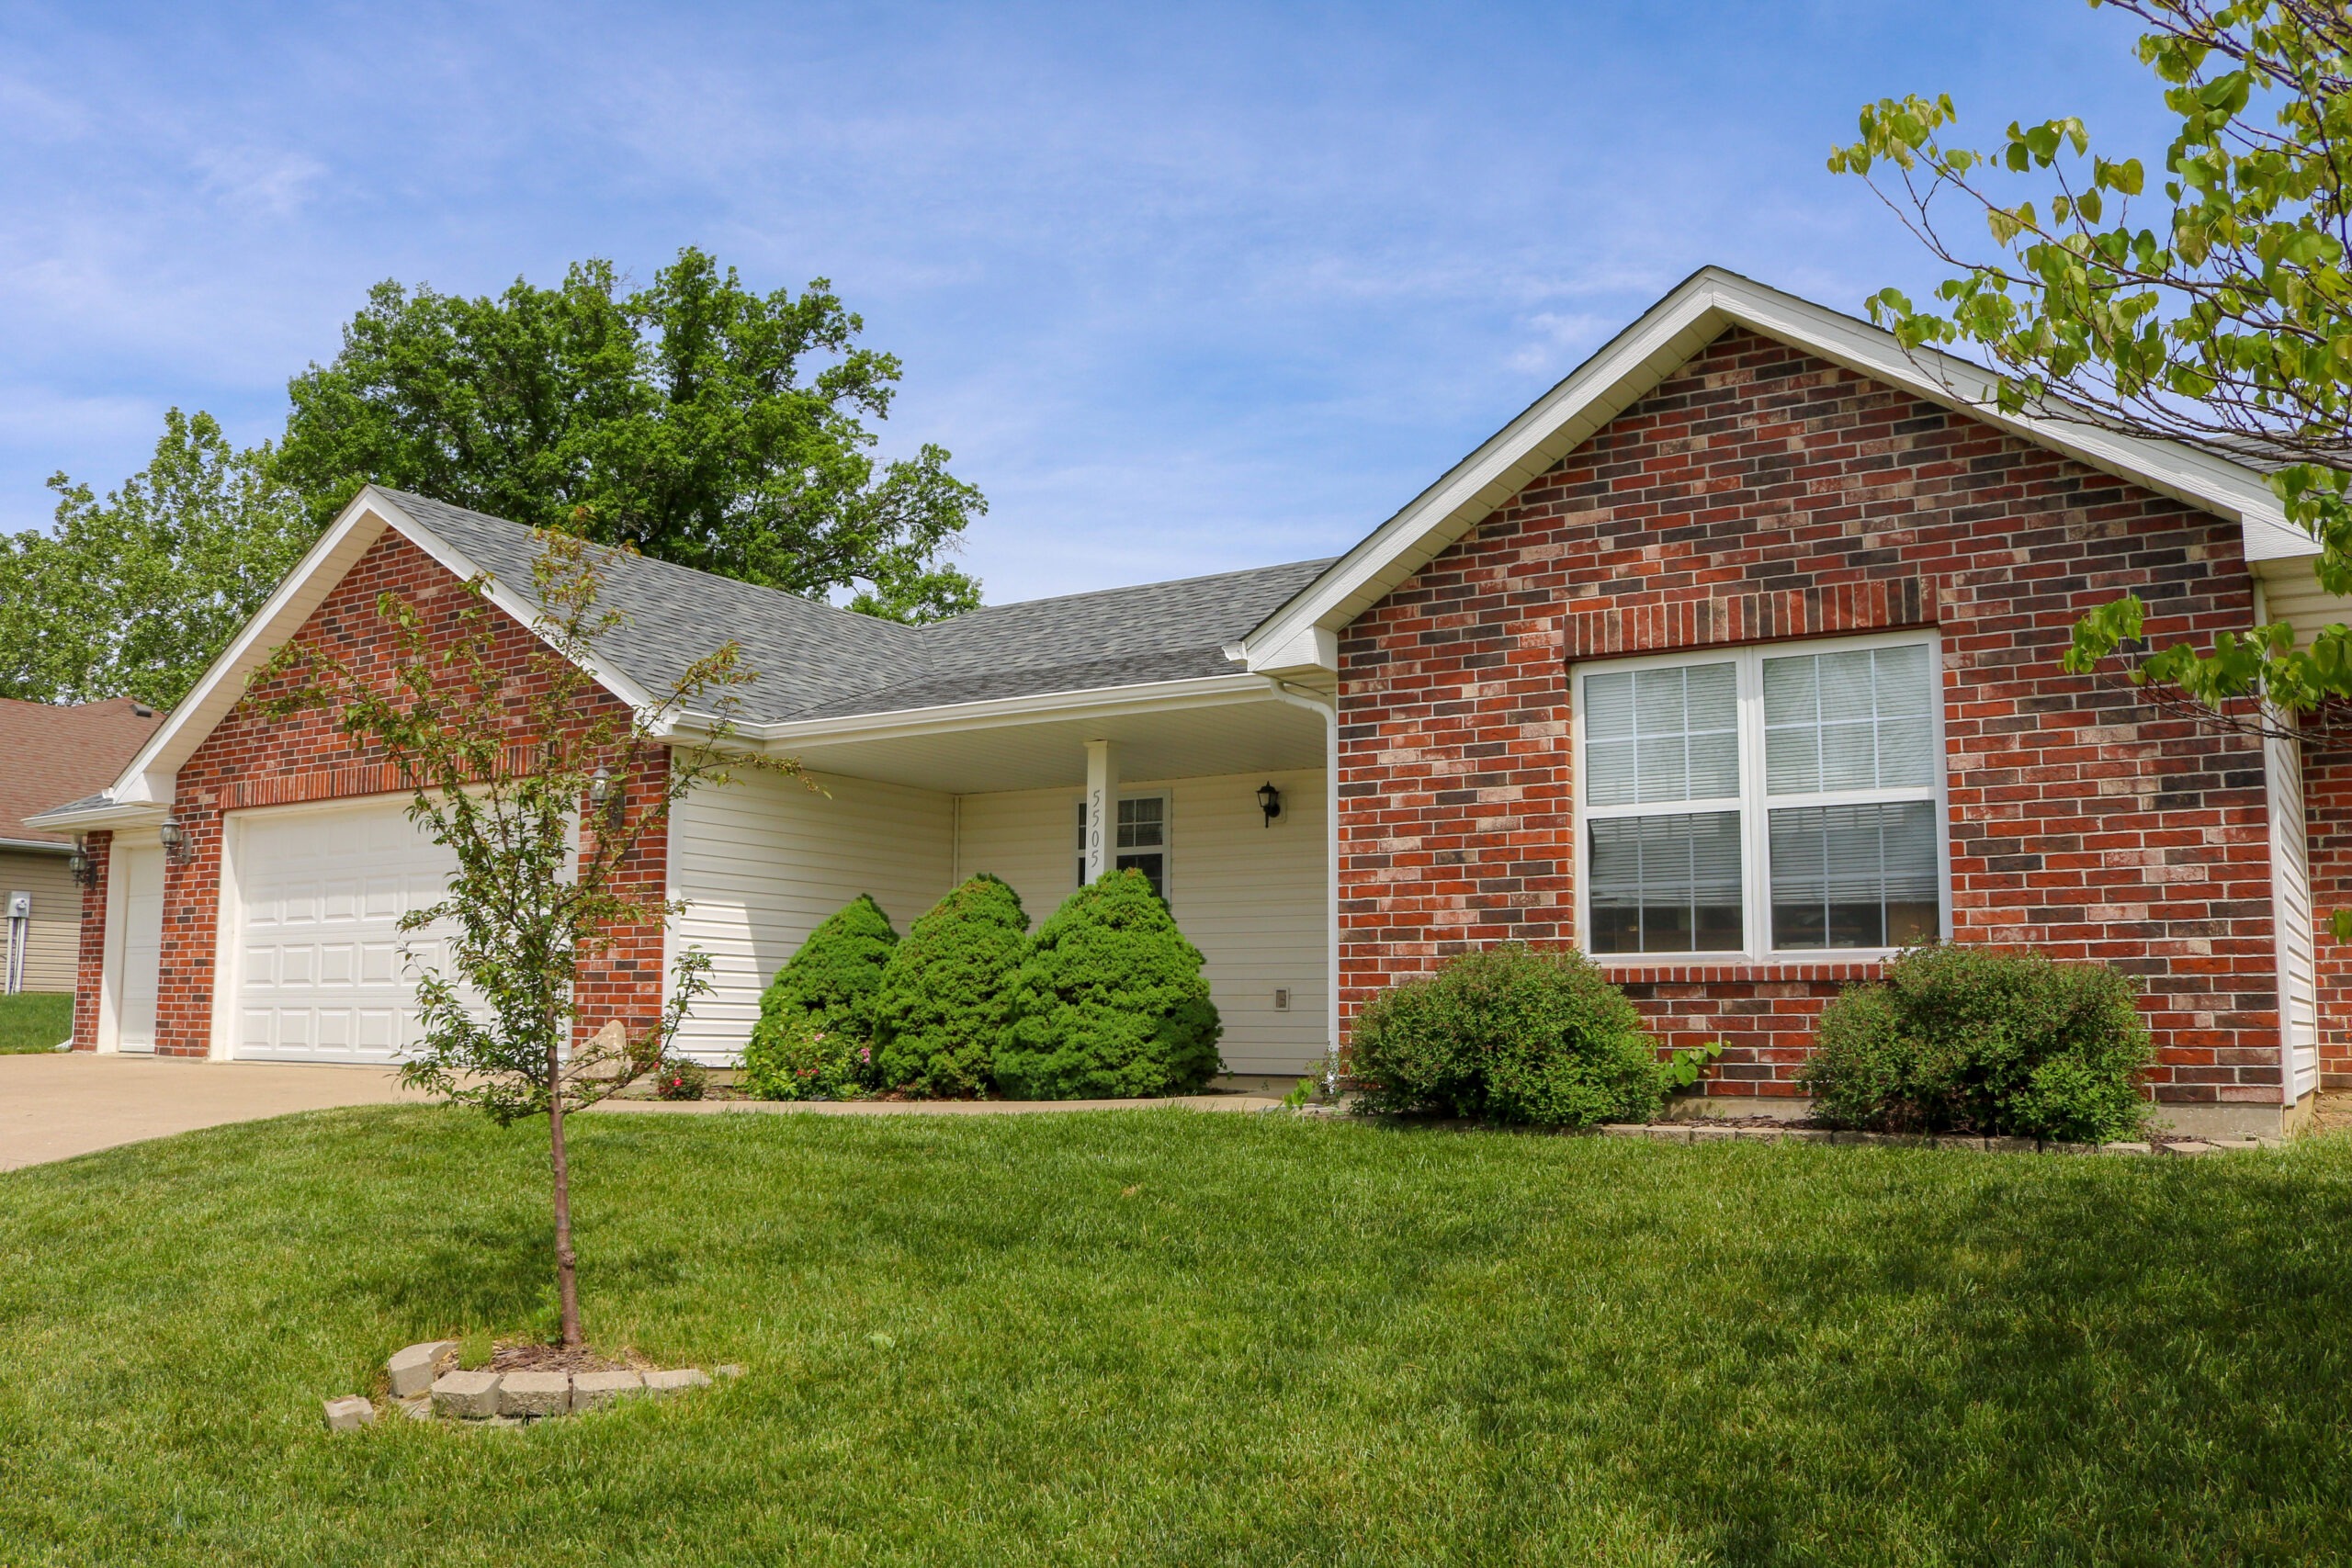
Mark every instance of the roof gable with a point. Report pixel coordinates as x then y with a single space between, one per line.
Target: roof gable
1301 638
812 660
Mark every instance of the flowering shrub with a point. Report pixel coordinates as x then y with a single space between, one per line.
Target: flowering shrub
795 1056
681 1077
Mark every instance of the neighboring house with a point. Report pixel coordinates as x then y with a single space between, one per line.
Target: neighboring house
51 753
1734 661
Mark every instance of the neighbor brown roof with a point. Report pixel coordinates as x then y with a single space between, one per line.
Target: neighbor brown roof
50 755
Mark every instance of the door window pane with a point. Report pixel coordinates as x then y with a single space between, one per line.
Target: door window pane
1662 735
1859 720
1666 884
1143 823
1853 875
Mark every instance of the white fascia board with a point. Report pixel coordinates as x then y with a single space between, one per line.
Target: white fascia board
1158 696
150 775
106 815
1665 337
36 846
149 778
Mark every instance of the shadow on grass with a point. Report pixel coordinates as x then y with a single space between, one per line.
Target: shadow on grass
2030 1368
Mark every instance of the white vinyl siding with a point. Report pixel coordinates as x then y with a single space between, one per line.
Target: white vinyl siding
762 860
2293 915
53 935
1250 897
1761 802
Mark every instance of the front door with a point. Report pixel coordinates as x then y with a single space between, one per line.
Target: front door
141 870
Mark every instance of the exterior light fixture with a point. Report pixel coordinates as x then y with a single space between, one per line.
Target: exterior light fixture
84 869
1270 801
178 847
603 791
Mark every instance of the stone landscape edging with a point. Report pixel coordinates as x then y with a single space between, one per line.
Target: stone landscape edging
426 1384
1700 1133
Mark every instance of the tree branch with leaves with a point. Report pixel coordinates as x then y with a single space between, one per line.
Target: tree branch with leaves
2225 318
545 789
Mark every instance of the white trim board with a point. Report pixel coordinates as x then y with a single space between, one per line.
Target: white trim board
1300 639
146 785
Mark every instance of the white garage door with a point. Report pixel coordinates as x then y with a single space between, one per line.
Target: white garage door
320 976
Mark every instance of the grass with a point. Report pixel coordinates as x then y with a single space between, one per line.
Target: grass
35 1020
1166 1338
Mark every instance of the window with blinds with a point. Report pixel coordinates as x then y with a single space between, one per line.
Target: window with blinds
1762 801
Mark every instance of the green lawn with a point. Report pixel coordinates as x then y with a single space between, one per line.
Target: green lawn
1168 1337
35 1020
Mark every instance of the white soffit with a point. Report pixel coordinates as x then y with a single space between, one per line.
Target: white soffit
1633 365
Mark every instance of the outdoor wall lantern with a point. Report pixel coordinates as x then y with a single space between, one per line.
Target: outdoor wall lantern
1270 801
603 793
85 869
178 848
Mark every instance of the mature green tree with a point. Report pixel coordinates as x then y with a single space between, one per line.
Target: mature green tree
693 420
2223 316
132 595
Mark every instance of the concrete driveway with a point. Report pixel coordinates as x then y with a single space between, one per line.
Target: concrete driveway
64 1103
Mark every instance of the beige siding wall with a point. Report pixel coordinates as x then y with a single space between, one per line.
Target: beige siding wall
2290 591
761 862
53 940
1250 897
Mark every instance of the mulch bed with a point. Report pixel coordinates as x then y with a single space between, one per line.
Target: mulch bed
532 1358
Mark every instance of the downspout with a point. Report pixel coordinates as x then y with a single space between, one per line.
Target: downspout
1330 711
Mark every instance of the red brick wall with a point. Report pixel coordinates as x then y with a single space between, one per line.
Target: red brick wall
250 760
1763 494
90 961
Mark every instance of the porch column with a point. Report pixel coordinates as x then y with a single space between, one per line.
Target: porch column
1101 808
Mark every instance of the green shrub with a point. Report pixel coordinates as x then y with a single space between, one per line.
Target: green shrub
681 1078
1110 1003
837 973
1985 1041
794 1056
946 988
1509 1034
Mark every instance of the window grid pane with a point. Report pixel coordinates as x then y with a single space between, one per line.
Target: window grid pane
1666 884
1662 736
1853 875
1853 720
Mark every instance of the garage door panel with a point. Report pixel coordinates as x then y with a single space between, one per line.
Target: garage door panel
324 977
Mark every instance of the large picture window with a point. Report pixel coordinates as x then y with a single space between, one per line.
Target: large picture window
1767 801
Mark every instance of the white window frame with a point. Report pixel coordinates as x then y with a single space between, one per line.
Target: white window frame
1754 805
1167 799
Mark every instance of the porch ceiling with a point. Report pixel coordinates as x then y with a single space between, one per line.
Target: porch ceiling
1049 751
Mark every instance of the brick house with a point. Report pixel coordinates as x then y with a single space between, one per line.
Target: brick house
1733 661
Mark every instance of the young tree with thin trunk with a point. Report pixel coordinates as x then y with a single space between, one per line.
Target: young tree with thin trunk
542 787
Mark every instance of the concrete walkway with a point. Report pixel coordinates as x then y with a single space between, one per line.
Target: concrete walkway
60 1104
57 1105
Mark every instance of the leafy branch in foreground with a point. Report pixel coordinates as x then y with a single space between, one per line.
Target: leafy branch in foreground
542 787
2226 322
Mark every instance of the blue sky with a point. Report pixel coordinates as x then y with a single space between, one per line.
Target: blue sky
1183 287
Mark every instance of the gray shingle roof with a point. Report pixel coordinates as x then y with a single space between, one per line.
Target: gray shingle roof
817 661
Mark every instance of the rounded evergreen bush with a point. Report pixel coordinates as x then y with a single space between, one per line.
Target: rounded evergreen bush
945 990
1509 1034
836 975
1982 1040
1110 1002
